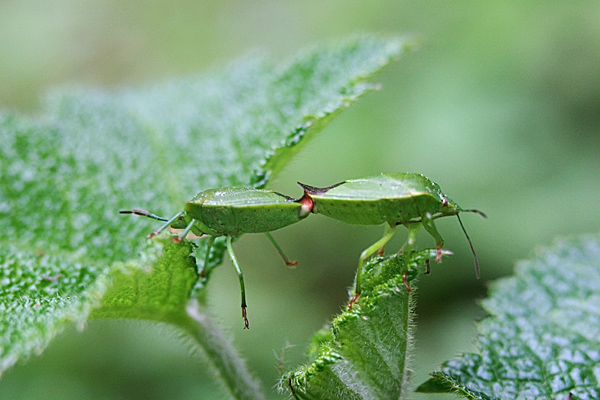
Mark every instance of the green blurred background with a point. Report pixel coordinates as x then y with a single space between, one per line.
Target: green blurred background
500 105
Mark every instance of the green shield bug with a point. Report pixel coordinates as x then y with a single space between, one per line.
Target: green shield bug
231 212
407 199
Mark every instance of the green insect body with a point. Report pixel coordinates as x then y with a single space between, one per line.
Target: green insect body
392 199
231 212
235 211
407 199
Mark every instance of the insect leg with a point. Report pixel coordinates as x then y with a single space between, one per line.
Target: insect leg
382 249
439 240
165 225
285 259
241 279
413 229
368 252
187 230
209 245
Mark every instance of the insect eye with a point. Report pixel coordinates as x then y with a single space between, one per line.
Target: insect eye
444 201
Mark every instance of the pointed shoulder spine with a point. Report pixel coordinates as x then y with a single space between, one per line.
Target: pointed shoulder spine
315 190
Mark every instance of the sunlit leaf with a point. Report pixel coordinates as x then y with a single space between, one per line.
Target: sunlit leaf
64 175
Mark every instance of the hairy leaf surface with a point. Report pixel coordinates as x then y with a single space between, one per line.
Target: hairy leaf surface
365 353
542 338
64 175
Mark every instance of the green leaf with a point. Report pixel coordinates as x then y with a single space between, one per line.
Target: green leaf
37 299
542 338
161 295
365 353
64 249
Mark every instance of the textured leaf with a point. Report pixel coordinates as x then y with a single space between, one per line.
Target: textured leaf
542 338
161 295
65 175
365 353
36 299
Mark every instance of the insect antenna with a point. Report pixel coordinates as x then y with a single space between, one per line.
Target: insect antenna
475 211
143 213
469 239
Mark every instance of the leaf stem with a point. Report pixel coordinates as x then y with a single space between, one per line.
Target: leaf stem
228 364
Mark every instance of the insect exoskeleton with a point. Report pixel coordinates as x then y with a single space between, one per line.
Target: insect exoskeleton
392 199
231 212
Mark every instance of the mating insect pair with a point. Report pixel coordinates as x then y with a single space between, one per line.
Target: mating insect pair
407 199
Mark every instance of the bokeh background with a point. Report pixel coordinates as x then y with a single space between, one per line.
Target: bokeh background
500 105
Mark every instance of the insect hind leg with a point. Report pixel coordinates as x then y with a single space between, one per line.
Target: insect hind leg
368 252
280 251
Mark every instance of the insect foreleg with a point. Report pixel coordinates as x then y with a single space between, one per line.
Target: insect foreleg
368 252
241 279
285 259
439 240
165 225
187 230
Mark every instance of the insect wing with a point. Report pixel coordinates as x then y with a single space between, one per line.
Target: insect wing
234 211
